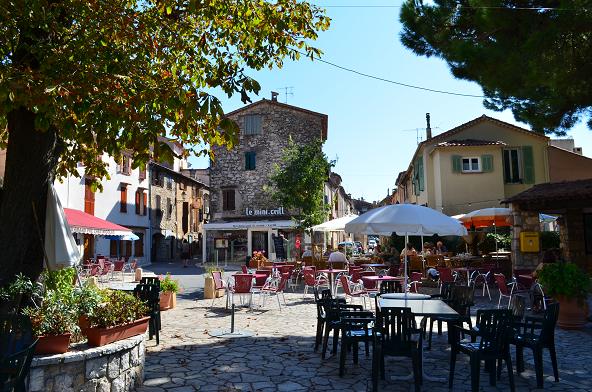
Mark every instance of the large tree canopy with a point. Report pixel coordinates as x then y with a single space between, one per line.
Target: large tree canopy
298 183
80 78
530 56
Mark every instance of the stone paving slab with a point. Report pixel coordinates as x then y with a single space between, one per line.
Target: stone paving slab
280 357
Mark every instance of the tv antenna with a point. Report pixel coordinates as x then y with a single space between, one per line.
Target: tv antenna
419 133
288 90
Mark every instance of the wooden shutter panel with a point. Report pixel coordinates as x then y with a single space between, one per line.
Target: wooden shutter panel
113 248
145 196
456 164
487 163
137 202
528 163
420 177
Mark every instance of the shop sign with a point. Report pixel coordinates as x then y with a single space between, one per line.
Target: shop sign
264 212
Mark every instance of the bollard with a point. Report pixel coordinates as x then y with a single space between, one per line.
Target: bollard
232 320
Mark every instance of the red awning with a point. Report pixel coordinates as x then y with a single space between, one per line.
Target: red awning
81 222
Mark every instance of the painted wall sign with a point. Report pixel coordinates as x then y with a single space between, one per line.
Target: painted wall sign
264 212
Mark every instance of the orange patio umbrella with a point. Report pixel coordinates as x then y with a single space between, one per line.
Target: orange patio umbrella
487 217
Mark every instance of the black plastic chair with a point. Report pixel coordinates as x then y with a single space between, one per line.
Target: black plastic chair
331 309
489 344
153 280
17 347
394 337
321 316
150 294
460 298
356 327
537 334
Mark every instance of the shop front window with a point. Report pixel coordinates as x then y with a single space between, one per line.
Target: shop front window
237 249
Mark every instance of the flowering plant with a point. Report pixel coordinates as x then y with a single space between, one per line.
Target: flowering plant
168 284
259 257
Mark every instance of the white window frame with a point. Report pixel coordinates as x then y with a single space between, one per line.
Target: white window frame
471 170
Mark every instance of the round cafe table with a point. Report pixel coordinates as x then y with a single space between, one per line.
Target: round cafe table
331 273
373 280
372 266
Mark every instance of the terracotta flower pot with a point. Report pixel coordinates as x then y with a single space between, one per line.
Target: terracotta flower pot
83 323
53 344
572 313
101 336
168 300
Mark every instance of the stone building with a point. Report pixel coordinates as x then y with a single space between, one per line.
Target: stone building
177 213
244 218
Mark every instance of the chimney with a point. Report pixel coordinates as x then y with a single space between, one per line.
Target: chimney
428 127
274 96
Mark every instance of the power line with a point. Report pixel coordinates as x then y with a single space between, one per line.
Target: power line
388 80
464 6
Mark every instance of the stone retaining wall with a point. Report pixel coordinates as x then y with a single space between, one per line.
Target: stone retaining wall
114 367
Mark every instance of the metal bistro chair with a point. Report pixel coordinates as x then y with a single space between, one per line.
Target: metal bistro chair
154 281
506 290
461 300
151 296
356 327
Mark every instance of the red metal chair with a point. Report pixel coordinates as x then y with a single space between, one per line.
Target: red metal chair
415 282
368 285
272 288
118 266
311 281
218 285
445 276
353 292
245 269
505 289
242 286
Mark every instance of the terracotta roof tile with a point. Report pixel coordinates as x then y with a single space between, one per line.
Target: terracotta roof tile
555 191
471 142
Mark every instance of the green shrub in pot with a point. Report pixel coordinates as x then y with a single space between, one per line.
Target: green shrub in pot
117 308
565 280
168 284
57 315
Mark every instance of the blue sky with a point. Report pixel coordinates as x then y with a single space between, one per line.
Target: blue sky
372 124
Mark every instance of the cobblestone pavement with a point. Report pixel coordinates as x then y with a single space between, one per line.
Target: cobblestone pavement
280 357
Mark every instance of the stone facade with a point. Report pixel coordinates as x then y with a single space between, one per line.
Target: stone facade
116 367
279 122
523 221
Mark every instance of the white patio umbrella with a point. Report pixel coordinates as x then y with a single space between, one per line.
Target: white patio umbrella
60 246
337 224
405 220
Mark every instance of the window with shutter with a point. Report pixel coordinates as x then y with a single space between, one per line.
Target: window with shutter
169 208
138 202
142 172
252 124
250 160
512 166
139 245
528 164
89 197
158 207
456 164
113 248
420 174
144 203
487 163
123 200
471 164
228 200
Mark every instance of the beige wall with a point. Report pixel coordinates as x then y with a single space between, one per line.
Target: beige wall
481 190
568 166
452 192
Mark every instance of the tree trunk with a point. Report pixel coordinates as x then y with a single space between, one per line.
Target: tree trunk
31 158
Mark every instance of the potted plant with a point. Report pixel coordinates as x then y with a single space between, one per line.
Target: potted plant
53 322
169 288
87 298
569 285
119 316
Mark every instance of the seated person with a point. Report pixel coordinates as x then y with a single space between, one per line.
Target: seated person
409 250
327 251
307 252
427 249
337 256
440 248
433 274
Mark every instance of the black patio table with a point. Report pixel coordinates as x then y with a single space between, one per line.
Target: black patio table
420 305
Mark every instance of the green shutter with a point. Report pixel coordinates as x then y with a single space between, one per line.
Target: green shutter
420 176
528 163
253 160
247 160
456 163
487 163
